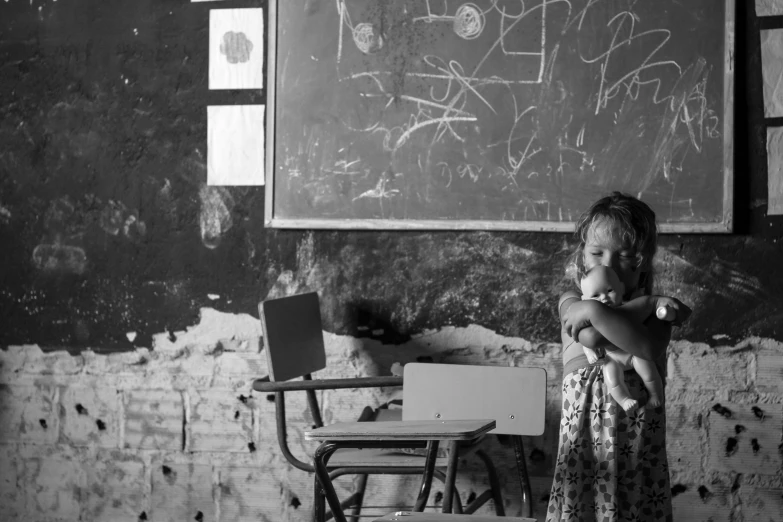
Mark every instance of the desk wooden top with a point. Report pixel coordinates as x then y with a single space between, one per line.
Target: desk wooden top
402 430
409 516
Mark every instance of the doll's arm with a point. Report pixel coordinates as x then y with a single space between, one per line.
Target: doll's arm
641 308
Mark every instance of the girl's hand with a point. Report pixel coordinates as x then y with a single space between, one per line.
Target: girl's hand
577 317
681 311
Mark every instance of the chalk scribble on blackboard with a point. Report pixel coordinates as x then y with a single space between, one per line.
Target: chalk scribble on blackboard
499 110
367 38
468 21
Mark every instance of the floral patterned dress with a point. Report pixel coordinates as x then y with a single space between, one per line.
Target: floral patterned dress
611 465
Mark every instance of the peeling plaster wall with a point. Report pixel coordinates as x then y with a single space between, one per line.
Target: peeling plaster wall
169 433
129 289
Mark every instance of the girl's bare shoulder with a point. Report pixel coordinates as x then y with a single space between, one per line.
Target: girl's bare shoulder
569 294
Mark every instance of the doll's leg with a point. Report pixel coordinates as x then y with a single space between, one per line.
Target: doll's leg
613 375
652 380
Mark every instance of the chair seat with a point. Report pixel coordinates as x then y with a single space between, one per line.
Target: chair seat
380 457
410 516
453 430
403 457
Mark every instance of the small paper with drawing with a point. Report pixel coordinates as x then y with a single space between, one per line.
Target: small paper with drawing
236 48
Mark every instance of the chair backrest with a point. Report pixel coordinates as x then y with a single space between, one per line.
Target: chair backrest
293 337
514 397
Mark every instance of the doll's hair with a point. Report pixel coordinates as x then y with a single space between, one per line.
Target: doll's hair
633 219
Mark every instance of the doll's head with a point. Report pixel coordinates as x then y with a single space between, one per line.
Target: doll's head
602 284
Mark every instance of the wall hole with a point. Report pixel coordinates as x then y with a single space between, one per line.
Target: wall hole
677 489
731 446
721 410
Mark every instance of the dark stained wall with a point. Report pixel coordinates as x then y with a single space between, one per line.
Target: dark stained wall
107 226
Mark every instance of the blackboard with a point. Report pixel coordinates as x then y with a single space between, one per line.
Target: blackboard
498 114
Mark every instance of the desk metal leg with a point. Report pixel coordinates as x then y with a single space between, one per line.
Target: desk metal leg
321 458
451 476
358 498
494 484
519 452
426 479
319 502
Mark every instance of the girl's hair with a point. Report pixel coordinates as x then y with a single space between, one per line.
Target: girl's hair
634 220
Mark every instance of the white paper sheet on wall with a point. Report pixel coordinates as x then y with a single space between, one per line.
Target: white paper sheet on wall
774 171
772 71
235 145
236 48
769 7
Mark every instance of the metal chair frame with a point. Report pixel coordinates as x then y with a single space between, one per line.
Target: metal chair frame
305 334
307 338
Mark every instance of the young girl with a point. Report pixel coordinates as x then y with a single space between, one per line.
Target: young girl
611 464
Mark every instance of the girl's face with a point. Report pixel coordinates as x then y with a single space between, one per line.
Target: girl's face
605 246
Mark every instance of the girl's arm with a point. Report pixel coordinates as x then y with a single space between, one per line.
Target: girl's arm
594 324
571 347
589 337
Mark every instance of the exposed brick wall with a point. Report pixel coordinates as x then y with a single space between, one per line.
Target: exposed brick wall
175 433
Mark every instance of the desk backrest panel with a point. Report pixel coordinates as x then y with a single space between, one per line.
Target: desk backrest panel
514 397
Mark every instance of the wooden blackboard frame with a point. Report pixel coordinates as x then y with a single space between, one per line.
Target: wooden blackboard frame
273 220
